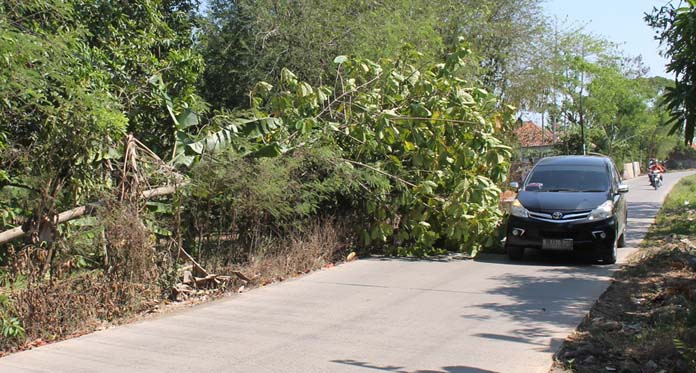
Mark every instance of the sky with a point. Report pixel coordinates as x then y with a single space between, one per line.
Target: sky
620 21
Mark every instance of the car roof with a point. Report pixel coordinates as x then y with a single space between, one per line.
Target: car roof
575 160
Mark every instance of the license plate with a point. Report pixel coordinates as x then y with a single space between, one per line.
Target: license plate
564 244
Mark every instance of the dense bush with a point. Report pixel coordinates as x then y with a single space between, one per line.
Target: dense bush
236 207
121 274
427 137
681 157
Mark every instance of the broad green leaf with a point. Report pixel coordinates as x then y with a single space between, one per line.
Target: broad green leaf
187 119
267 151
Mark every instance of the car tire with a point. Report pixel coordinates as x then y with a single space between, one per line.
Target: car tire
515 252
622 240
608 255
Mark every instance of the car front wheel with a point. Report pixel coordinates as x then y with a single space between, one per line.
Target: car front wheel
622 240
607 255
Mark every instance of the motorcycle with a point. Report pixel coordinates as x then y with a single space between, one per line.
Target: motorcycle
655 177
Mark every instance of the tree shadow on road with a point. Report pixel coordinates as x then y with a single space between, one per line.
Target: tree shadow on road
399 369
545 302
546 299
640 218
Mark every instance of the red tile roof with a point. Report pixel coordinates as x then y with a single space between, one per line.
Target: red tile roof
529 134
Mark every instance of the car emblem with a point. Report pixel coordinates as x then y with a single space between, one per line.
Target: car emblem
557 216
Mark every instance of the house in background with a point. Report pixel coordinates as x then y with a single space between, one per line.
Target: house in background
534 141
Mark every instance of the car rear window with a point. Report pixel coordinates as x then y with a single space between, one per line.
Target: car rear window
571 178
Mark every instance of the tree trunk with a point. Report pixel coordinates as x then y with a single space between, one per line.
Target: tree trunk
17 232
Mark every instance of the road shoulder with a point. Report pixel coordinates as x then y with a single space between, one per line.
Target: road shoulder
646 320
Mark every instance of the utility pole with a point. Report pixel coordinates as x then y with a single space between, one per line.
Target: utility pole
582 127
582 91
542 128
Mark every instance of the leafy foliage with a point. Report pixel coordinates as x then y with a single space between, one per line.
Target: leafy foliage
682 157
430 133
146 47
75 77
247 41
676 28
238 206
57 111
595 86
11 329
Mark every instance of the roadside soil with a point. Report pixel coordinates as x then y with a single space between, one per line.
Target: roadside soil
646 320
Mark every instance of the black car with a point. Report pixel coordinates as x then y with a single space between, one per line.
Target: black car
569 203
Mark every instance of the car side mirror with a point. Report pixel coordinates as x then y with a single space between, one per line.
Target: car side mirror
515 186
623 188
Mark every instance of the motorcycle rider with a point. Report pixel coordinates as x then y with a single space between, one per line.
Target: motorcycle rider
653 166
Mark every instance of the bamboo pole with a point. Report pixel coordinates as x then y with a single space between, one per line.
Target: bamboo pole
77 212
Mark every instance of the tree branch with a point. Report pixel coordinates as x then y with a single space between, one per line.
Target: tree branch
435 119
412 185
347 93
78 212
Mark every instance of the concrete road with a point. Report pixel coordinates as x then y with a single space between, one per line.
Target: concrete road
370 315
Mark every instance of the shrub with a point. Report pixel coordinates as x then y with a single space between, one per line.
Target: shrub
428 139
681 157
11 329
237 205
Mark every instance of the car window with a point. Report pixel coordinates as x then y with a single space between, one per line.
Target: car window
572 178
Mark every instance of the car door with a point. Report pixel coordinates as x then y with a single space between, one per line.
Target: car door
619 199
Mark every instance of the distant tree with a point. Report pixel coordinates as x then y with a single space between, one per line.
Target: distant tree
675 28
56 111
246 41
141 43
506 36
592 83
654 140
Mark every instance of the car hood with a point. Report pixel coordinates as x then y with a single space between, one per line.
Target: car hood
561 201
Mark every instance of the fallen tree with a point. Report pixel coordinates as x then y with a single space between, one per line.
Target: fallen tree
78 212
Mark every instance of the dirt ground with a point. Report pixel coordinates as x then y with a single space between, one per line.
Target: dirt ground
645 321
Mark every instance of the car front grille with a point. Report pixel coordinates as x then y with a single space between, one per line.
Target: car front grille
564 218
560 235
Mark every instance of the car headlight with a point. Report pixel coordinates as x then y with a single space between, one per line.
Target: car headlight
603 211
518 210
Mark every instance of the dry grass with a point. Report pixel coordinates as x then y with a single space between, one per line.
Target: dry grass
78 302
646 320
322 243
130 284
634 324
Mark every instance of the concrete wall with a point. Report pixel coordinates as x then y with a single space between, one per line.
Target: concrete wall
631 170
636 169
628 171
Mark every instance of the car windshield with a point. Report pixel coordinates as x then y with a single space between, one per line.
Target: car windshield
568 178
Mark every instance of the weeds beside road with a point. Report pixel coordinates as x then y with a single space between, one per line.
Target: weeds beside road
31 316
646 320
